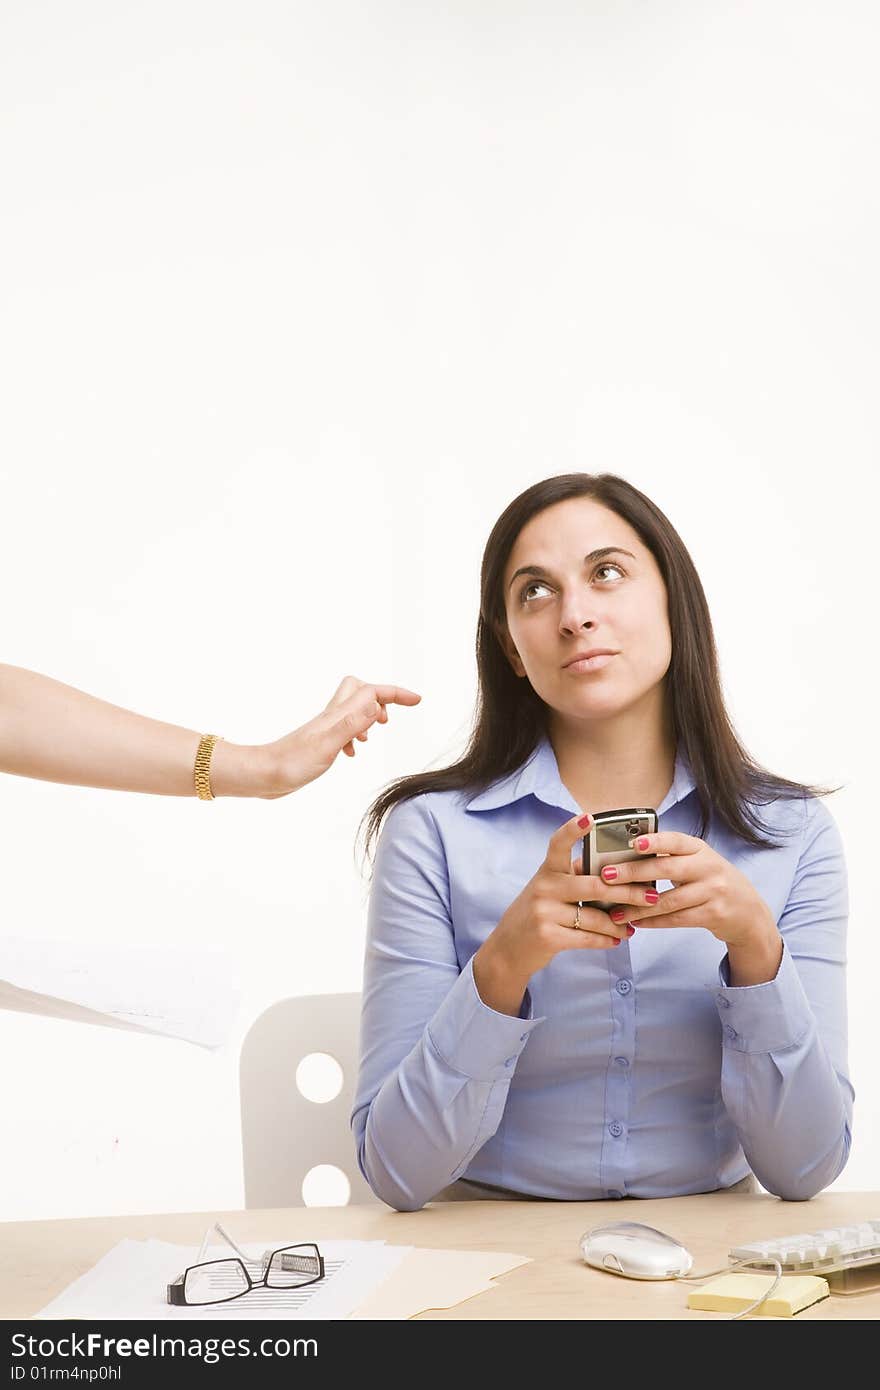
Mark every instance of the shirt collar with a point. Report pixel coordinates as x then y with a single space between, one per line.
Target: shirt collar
539 776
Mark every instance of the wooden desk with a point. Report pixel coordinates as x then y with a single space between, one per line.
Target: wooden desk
40 1258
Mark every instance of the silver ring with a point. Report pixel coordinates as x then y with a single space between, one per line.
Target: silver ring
577 918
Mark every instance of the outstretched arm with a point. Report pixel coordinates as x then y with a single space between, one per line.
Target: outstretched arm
56 733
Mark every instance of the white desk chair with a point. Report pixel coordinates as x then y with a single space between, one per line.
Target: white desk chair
283 1134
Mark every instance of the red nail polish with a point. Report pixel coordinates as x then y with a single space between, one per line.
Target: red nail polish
652 897
584 822
617 914
630 931
616 941
609 873
642 842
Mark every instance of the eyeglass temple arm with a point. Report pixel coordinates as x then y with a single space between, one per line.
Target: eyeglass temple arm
248 1259
174 1293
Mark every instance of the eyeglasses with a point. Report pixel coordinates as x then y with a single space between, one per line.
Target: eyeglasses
219 1281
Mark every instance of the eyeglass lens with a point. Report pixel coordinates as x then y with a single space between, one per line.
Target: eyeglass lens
210 1283
294 1266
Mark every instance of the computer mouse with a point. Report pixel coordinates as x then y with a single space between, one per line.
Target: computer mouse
635 1251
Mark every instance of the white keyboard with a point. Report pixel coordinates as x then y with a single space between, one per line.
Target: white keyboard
817 1252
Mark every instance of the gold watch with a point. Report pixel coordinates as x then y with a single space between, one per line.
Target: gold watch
202 769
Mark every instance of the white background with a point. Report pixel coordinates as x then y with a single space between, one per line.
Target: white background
296 298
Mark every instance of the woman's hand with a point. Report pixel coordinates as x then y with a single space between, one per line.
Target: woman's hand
708 891
541 922
298 758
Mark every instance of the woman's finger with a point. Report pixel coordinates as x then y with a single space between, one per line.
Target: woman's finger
395 695
561 841
690 897
592 940
645 869
592 921
586 888
385 694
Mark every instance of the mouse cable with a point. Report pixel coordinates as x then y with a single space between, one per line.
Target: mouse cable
738 1264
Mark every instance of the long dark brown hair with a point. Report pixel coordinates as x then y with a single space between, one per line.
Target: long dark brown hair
510 718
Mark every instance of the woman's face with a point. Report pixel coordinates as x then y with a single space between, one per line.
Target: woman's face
562 599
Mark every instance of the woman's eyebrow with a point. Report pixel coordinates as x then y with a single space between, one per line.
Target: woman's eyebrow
588 560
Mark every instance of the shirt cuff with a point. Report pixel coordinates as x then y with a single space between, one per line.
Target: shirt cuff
764 1018
476 1040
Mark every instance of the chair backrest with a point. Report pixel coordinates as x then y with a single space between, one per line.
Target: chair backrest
283 1134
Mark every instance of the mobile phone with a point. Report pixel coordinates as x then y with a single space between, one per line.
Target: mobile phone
608 842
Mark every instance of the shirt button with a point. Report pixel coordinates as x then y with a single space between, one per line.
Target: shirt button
622 1061
623 986
510 1061
731 1032
523 1037
723 1001
615 1192
615 1128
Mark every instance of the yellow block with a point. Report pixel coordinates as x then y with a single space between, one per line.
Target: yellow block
733 1292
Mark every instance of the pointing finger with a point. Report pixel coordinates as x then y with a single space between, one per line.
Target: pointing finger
395 695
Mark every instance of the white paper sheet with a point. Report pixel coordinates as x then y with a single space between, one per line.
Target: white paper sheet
182 993
130 1282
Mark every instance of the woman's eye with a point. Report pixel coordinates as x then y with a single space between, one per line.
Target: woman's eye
609 565
529 587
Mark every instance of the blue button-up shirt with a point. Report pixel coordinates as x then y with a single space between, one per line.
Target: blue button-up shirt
637 1071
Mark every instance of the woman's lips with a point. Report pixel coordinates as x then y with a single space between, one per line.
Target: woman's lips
590 663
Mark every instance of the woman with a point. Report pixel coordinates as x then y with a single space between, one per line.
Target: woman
514 1044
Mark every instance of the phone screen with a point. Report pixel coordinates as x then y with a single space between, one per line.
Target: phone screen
613 837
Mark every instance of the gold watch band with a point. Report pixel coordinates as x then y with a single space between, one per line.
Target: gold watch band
202 769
